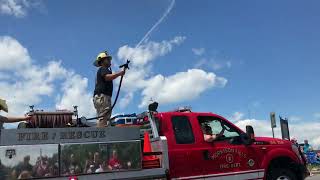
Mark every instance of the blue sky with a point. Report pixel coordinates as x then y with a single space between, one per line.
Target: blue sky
267 51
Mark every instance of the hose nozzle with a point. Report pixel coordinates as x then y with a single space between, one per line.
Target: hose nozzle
126 65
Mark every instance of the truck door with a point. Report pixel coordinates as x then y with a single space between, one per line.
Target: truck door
181 143
226 158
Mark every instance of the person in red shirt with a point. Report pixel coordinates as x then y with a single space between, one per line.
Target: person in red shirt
114 163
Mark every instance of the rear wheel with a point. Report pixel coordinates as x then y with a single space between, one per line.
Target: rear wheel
282 174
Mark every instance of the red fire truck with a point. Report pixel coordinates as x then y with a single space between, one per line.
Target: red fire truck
234 155
172 147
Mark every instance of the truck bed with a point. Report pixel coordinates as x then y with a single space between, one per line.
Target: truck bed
57 146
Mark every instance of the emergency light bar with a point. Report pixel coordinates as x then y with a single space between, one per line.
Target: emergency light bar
183 109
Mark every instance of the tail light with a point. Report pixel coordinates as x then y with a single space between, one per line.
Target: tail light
73 178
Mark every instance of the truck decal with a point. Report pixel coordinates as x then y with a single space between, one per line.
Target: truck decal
227 166
67 135
230 163
219 153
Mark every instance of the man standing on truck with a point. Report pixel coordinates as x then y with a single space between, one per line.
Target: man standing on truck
104 87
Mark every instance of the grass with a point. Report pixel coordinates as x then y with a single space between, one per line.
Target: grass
313 167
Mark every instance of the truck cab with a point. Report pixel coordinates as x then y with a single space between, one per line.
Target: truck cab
234 154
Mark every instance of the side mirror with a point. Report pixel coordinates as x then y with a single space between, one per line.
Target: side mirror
250 133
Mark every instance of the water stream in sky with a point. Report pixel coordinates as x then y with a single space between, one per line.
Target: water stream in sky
145 37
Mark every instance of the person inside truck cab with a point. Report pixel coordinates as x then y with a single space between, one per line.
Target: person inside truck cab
208 135
7 119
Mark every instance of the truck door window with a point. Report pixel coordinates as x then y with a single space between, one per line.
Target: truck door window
182 130
215 126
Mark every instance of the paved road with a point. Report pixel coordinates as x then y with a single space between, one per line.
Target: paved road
314 177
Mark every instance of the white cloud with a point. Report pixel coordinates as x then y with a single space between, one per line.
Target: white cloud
179 87
140 68
200 63
75 93
198 51
125 101
216 66
4 76
316 116
298 130
12 54
30 83
295 118
20 8
145 53
16 8
237 116
212 63
261 127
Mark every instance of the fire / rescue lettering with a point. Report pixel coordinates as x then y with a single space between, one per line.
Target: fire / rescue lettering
32 136
54 136
72 135
94 134
42 136
36 136
80 134
63 135
45 135
87 134
102 134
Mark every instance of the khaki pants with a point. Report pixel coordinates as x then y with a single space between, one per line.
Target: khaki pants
102 103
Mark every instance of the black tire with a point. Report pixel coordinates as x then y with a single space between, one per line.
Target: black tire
281 174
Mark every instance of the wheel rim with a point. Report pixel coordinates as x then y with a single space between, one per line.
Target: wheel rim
283 178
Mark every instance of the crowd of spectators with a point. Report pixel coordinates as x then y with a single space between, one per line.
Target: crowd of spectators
48 167
312 156
94 164
24 170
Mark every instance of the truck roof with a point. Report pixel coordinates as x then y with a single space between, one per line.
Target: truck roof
193 113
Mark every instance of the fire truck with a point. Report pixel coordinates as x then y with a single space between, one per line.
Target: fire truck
151 145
